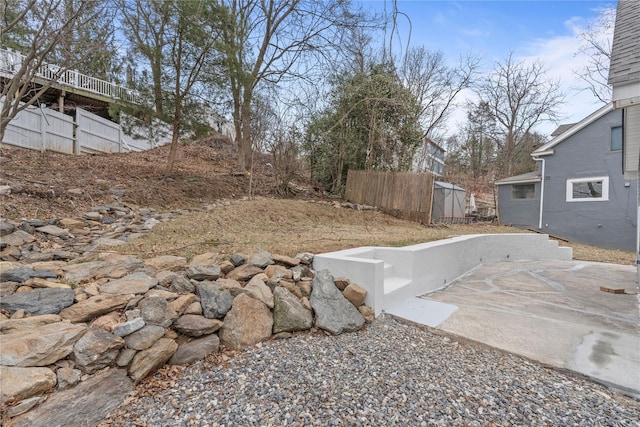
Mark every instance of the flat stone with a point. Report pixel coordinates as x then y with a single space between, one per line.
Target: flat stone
181 285
39 301
71 223
22 383
117 266
53 230
166 262
23 406
145 337
17 238
84 405
23 274
244 273
95 306
147 361
125 357
206 259
92 216
27 323
288 261
203 272
41 346
195 350
129 327
107 321
135 283
68 377
195 326
275 271
82 272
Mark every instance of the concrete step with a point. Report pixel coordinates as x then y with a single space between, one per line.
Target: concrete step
392 284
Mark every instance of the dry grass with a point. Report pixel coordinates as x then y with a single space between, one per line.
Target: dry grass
290 226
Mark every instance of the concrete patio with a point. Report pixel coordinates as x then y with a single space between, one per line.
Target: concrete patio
550 311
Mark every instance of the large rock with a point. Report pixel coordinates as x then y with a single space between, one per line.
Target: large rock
6 228
21 383
282 259
27 323
82 406
244 272
135 283
96 349
166 262
147 361
95 306
196 326
155 310
248 322
204 272
260 291
260 258
215 300
195 350
39 301
145 337
334 312
41 346
289 314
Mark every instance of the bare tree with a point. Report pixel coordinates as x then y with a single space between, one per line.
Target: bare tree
269 41
177 40
435 84
43 25
595 44
519 96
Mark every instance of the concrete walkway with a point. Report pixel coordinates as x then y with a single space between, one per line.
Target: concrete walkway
549 311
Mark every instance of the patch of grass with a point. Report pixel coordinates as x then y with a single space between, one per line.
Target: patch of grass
288 227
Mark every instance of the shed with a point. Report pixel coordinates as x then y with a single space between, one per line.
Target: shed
449 202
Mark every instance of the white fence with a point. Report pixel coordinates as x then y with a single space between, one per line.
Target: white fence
44 129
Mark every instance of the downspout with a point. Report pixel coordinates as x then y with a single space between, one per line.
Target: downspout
541 192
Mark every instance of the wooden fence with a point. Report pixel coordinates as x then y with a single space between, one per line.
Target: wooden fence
403 194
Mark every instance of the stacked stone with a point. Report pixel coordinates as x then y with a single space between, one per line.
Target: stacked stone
119 318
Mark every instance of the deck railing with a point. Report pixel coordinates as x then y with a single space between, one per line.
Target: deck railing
11 61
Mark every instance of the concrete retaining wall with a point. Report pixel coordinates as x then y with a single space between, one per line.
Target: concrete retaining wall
391 275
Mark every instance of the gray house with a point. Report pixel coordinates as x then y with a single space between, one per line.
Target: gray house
584 196
624 77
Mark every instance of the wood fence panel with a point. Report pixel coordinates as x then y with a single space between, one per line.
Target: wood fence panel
403 194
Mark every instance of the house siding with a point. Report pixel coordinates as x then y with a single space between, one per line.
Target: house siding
607 224
521 213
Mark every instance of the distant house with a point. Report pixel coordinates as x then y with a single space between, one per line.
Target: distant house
432 159
584 196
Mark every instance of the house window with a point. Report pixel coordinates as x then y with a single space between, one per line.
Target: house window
616 138
523 191
588 189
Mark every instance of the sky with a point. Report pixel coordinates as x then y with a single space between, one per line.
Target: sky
532 29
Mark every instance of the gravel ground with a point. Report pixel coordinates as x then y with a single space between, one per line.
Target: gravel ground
389 374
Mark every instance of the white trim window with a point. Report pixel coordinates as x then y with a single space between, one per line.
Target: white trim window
592 189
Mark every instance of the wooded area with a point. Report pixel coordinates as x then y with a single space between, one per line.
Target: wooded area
294 78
